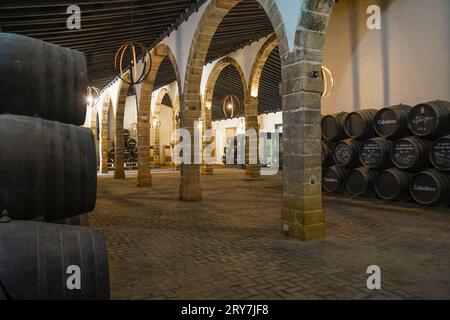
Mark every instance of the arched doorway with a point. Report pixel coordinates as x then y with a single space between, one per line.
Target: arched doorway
158 56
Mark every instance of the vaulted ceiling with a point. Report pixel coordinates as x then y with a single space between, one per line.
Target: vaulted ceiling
106 25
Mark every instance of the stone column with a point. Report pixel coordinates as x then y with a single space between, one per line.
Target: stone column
252 171
119 171
190 188
157 145
302 213
206 169
144 163
104 144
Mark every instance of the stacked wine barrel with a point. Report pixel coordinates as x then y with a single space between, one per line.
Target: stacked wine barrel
130 150
398 153
48 174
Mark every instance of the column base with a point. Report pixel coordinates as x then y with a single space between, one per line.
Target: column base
104 171
144 181
207 170
119 175
252 172
190 192
304 225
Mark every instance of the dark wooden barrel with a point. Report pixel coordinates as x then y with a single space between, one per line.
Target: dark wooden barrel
346 153
360 181
40 78
411 154
440 153
359 125
430 120
35 258
131 143
126 134
52 174
327 153
134 153
333 127
392 122
431 187
393 184
333 179
376 153
111 153
126 153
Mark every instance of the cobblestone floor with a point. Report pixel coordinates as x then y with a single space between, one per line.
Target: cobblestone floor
229 246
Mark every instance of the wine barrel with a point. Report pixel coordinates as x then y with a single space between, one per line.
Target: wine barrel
431 187
131 143
393 184
36 260
333 179
333 127
430 120
40 78
53 174
126 134
376 154
111 153
327 153
346 153
392 122
440 153
359 125
134 153
360 181
411 154
126 153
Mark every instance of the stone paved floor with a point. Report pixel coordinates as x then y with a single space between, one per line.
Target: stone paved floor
229 245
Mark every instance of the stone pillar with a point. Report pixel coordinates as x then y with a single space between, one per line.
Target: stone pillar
104 143
252 171
302 213
206 169
190 188
157 131
144 163
119 171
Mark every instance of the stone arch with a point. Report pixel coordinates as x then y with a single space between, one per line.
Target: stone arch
103 148
258 65
158 54
190 189
209 92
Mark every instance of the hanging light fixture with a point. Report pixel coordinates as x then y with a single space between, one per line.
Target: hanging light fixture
230 106
132 50
327 88
178 117
93 93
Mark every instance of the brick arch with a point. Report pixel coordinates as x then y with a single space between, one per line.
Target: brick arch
158 54
260 62
206 113
215 73
103 149
190 189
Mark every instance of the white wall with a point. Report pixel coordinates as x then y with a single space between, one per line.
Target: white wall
266 122
405 62
130 115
